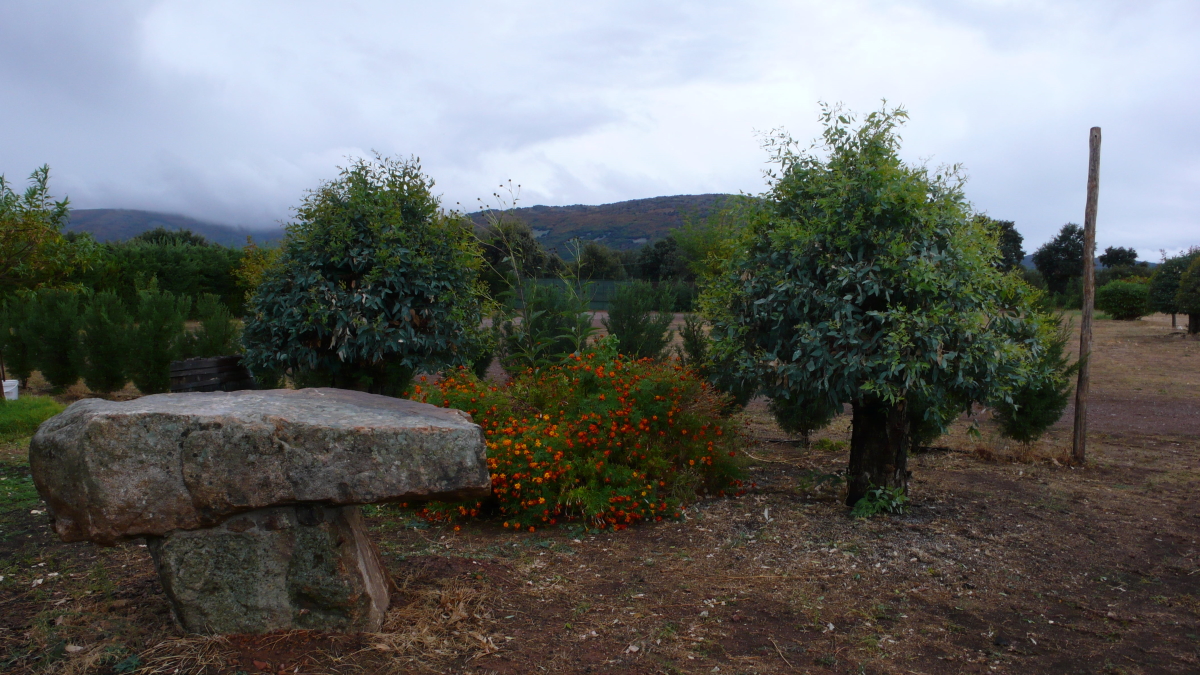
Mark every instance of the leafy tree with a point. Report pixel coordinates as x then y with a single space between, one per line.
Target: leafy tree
33 250
52 329
1123 300
1009 241
253 265
162 236
157 338
597 261
1164 285
375 282
104 342
638 317
663 260
510 251
1188 295
16 352
868 282
1061 259
1117 256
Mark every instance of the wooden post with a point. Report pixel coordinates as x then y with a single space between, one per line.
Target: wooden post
1079 441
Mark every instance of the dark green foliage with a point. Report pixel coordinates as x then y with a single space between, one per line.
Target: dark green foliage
162 236
694 351
511 252
1124 300
1164 285
552 320
374 284
1039 403
52 331
16 352
1009 241
1061 259
1188 295
869 282
157 339
662 260
598 262
881 500
804 416
104 342
179 266
1118 256
639 316
218 334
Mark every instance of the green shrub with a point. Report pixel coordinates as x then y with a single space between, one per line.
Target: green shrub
1035 407
600 439
104 342
1188 295
157 339
21 418
52 331
803 416
375 282
1124 300
880 500
638 317
218 334
16 352
694 350
553 323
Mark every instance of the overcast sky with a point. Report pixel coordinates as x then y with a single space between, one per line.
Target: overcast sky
229 111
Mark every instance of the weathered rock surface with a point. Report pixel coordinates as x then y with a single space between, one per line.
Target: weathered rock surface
118 470
277 568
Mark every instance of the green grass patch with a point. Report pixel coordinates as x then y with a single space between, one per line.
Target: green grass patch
20 418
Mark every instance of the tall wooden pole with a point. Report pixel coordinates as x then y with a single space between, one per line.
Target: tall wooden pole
1079 442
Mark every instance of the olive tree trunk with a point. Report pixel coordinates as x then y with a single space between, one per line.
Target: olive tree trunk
878 448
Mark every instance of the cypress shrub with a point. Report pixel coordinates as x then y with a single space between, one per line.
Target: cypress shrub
157 339
104 342
1035 407
52 333
14 349
694 351
218 334
803 416
639 316
1123 300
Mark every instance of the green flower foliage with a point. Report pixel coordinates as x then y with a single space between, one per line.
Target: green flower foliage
868 281
1124 300
374 283
104 342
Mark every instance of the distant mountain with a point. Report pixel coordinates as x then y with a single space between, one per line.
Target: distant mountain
122 224
621 225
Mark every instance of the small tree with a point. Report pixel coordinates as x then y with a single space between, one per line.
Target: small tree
869 282
218 334
157 339
803 418
375 282
1118 256
1009 241
1123 300
52 330
1040 402
1061 259
33 250
639 316
104 342
1164 285
597 261
15 351
1188 295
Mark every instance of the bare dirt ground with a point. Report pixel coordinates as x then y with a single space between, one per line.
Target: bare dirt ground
1009 562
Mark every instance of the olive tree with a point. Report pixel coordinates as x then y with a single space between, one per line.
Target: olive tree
869 282
374 283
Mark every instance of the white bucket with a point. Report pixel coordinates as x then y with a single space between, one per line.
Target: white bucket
10 389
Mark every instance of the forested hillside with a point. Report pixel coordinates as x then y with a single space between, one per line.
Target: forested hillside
113 225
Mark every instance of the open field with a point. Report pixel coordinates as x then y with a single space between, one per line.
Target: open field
1009 562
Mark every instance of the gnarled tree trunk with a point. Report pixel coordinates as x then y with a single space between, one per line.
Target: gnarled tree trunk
878 448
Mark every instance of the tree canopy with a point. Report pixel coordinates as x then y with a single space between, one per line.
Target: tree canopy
1061 259
867 281
33 250
1118 256
374 283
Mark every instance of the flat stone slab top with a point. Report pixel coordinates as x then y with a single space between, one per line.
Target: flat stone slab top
119 470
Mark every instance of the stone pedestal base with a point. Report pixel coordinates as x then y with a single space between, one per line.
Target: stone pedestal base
303 566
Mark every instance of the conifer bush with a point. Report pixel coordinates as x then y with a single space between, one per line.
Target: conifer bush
803 416
1036 406
602 440
16 352
157 339
638 317
218 334
52 332
104 342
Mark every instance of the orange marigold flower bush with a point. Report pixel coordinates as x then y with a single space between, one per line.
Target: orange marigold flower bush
601 439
